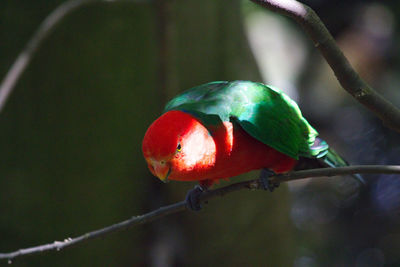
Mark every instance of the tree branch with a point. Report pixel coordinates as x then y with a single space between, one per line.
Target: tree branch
346 75
181 206
44 30
322 39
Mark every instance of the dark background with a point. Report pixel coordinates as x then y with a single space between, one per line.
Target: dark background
70 135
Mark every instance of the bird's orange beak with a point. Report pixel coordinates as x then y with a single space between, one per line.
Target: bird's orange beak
161 169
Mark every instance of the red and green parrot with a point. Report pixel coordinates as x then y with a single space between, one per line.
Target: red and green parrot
222 129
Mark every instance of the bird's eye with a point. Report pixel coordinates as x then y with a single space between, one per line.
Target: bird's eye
179 148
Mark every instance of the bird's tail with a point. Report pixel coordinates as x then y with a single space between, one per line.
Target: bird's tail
325 157
333 160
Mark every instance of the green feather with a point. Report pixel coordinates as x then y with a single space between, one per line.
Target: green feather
266 113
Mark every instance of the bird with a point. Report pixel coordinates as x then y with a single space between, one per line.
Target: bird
221 129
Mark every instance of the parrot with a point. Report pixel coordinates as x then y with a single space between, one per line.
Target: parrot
221 129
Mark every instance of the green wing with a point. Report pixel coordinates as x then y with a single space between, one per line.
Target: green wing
264 112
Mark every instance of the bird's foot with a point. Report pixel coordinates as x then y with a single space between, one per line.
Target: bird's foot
265 180
193 198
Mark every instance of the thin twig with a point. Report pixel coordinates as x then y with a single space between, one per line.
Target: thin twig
346 75
181 206
44 30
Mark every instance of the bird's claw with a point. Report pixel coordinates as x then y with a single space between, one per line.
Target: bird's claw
193 198
265 180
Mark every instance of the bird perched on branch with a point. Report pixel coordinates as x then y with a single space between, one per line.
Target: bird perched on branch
222 129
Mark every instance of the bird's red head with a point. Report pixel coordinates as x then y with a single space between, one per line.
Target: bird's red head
178 146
